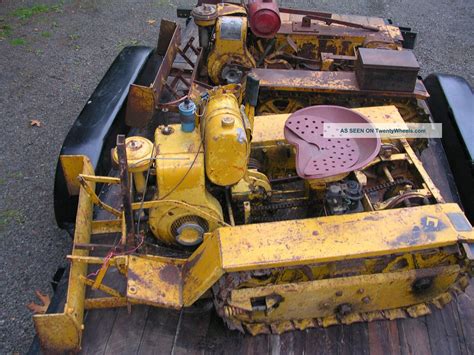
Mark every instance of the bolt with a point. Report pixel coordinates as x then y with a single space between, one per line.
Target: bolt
360 290
366 300
132 289
344 309
339 293
227 121
134 145
167 130
422 284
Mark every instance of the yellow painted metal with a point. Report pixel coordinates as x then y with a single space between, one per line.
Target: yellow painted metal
72 166
179 204
225 139
290 244
100 276
314 241
103 288
319 38
172 283
180 177
359 294
58 333
202 270
303 252
154 282
419 166
106 226
279 106
230 47
120 262
340 45
210 17
140 153
101 179
332 238
226 9
89 189
62 332
254 186
105 302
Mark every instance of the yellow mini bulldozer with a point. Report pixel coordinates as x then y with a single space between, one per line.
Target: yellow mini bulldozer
202 170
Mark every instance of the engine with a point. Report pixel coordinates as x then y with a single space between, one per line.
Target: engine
221 165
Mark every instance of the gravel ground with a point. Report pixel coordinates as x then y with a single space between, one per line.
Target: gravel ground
52 58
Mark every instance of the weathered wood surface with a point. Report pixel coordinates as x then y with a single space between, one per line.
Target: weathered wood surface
149 330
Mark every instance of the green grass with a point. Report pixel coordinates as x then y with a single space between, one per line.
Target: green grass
9 216
17 42
15 175
24 13
164 3
127 42
46 34
5 31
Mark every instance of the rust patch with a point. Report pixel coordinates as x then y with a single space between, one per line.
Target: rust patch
374 217
191 148
409 238
170 274
189 265
426 232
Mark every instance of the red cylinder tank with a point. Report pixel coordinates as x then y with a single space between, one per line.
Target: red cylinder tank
264 17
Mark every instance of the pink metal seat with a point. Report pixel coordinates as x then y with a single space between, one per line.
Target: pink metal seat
319 157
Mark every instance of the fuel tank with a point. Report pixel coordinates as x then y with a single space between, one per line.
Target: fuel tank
264 18
225 139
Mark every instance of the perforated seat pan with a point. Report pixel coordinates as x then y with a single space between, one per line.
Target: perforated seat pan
320 157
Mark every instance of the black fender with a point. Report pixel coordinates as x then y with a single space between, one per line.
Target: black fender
451 103
94 131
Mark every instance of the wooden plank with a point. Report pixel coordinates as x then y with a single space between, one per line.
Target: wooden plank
293 342
354 339
127 331
414 337
191 330
259 344
322 340
99 323
274 343
98 327
220 339
459 328
383 338
159 333
465 307
443 335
